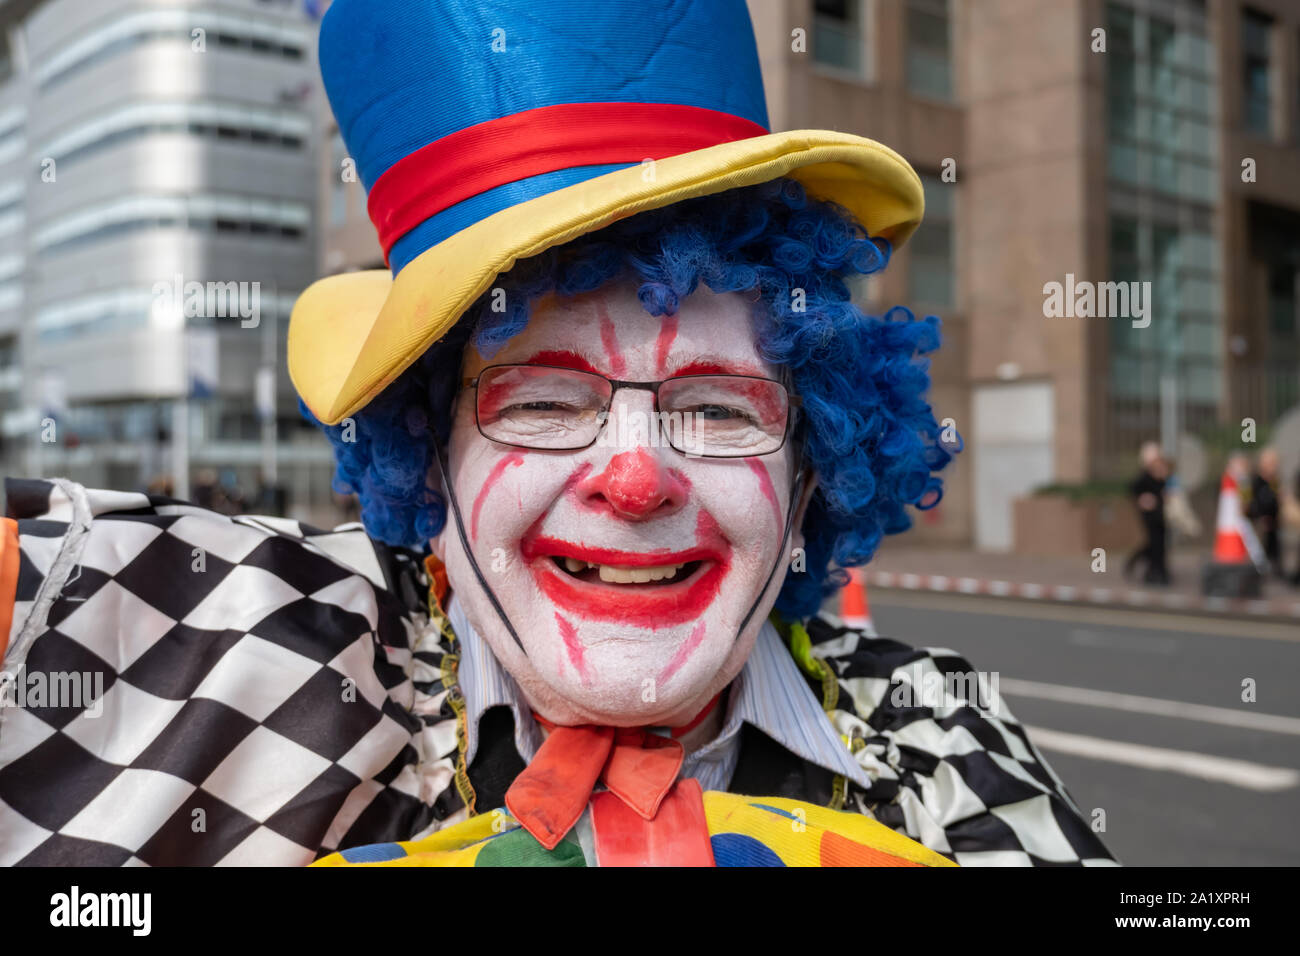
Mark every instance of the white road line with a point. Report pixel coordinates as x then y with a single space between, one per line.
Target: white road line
1149 705
1238 773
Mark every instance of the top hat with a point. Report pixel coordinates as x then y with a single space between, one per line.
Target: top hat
489 131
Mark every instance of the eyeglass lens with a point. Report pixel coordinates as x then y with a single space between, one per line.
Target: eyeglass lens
707 415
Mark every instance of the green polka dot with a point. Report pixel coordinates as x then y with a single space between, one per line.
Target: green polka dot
519 848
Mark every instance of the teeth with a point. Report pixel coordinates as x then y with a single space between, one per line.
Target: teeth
614 574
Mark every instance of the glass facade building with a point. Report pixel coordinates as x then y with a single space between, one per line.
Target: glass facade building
1162 170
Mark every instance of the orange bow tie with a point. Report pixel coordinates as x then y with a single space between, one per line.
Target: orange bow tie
637 766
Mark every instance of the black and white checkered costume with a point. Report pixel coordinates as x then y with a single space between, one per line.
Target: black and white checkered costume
274 692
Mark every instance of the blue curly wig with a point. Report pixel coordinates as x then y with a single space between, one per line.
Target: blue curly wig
868 429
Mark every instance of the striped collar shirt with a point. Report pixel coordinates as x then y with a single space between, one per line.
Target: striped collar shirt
769 694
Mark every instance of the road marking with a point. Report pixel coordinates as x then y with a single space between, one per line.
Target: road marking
1226 716
1137 643
951 603
1238 773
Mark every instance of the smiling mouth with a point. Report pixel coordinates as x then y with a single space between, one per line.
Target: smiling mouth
592 572
654 589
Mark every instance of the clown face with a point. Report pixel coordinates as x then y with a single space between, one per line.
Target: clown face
626 567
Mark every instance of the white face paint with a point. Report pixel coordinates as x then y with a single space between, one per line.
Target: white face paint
615 651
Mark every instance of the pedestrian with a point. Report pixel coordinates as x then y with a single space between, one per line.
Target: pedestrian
1148 491
1290 518
1263 506
204 491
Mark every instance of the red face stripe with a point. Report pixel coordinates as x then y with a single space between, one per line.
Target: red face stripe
683 653
578 474
609 340
511 148
667 334
707 367
765 485
514 458
573 646
562 359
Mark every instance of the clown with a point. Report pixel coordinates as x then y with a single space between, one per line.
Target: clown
615 425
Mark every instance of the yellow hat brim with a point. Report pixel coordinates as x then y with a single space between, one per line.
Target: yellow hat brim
351 335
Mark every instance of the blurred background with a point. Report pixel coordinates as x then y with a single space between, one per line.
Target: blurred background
171 178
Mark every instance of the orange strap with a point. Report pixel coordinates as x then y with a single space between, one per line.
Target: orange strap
8 579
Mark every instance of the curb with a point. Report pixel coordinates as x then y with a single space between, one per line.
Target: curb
1286 610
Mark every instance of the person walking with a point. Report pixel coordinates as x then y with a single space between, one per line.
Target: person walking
1264 507
1148 491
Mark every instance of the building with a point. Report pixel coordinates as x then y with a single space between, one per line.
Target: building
156 224
1128 141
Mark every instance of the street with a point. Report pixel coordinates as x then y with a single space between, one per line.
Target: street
1141 714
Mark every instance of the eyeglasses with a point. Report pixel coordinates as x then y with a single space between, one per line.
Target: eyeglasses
563 409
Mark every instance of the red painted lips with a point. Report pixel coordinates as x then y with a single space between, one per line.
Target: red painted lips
644 605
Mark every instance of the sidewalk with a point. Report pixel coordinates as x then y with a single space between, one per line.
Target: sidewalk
1067 580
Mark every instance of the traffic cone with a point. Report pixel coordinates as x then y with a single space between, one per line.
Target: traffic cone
854 610
1234 568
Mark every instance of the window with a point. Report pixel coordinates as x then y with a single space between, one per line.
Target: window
1179 260
12 218
222 29
280 128
931 279
1256 81
1159 79
6 57
1283 281
838 34
929 49
220 213
117 310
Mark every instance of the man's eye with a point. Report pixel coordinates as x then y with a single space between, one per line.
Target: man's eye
541 407
718 413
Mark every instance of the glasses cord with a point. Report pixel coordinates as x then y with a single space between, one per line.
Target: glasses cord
795 494
469 552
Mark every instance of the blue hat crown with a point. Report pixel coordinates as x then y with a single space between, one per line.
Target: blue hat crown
420 86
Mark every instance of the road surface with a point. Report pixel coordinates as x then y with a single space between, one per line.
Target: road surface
1141 714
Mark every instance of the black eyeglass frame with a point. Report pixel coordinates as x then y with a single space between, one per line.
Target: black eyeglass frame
793 404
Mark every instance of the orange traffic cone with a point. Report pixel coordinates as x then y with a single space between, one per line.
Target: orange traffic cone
854 610
1234 569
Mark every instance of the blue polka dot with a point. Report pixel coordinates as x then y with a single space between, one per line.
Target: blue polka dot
735 849
373 853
